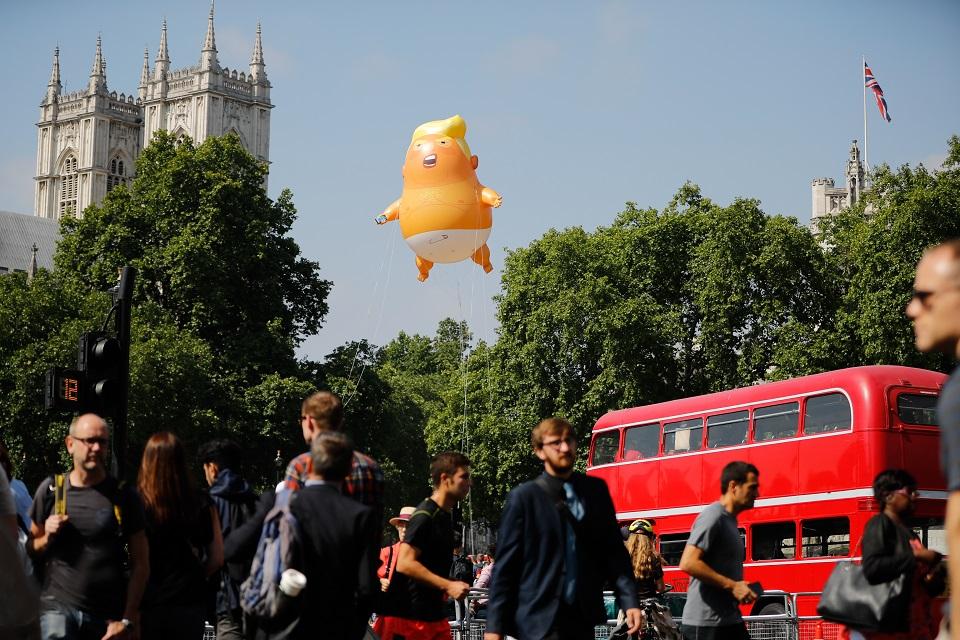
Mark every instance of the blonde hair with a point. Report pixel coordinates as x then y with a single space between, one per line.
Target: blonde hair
642 555
454 126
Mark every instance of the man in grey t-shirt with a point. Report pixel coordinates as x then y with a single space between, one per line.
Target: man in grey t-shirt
714 559
934 309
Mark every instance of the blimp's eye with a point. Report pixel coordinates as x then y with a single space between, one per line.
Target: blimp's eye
417 146
443 142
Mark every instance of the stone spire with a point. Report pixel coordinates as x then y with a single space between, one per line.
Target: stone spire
98 74
163 56
208 56
32 269
257 67
854 175
54 86
144 75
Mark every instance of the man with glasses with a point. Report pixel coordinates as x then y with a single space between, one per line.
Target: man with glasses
558 545
323 411
86 526
934 309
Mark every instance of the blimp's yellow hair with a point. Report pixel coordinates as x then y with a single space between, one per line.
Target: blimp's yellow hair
454 126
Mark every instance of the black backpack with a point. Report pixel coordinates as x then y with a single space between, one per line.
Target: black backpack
462 570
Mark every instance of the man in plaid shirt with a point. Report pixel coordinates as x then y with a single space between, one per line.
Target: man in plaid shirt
320 412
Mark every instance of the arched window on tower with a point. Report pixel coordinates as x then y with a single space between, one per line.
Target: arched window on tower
68 188
117 175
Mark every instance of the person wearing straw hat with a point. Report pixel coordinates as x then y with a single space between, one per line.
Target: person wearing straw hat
388 555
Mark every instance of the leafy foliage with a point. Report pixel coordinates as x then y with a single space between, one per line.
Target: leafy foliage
222 298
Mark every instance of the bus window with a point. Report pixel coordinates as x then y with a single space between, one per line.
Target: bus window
727 429
605 447
778 421
931 533
774 541
641 442
914 408
826 537
671 547
683 436
826 413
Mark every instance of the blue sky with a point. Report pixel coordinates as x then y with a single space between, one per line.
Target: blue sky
573 108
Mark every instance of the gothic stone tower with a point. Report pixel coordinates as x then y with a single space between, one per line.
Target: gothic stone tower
828 200
89 140
86 143
209 100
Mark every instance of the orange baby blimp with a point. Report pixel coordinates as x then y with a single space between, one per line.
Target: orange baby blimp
444 211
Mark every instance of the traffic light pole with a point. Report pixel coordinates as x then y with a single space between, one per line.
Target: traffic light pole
124 300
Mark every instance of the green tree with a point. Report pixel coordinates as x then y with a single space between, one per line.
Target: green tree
659 305
382 419
222 299
40 322
873 250
211 249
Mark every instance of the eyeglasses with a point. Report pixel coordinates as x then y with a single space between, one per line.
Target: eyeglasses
923 296
103 442
556 444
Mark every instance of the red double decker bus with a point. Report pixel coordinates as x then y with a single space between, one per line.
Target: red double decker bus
818 442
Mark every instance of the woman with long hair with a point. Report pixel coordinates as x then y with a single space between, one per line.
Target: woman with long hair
648 574
186 545
891 549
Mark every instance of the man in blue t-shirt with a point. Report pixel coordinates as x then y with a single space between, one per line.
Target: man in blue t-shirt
714 559
934 309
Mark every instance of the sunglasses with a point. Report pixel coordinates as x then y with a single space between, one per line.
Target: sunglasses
923 296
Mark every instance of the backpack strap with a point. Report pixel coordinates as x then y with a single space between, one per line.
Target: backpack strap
390 567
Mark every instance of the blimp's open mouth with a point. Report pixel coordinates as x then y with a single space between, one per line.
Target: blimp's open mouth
430 160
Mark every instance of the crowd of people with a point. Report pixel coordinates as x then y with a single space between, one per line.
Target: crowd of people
91 557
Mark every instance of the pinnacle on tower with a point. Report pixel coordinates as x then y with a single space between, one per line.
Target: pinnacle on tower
208 56
163 56
257 48
257 71
98 75
144 75
54 86
145 71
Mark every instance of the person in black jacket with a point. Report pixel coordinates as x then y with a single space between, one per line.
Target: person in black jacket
235 502
558 545
338 547
891 549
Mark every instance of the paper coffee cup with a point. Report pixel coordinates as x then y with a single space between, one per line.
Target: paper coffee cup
292 582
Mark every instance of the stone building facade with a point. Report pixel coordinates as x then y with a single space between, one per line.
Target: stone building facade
88 141
827 199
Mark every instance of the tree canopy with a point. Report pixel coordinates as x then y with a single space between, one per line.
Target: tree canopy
222 299
661 303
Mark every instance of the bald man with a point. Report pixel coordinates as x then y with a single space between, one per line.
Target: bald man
934 309
86 594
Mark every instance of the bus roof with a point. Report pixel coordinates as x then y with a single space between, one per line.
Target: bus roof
851 380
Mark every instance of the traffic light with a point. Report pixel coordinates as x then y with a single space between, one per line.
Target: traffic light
99 361
99 383
63 389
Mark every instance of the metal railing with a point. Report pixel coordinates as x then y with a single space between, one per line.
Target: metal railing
782 626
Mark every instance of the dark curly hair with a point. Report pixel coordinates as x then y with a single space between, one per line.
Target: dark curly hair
889 481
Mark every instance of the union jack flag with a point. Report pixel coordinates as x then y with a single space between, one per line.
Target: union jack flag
874 86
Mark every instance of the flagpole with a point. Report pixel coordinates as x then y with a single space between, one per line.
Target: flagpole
863 81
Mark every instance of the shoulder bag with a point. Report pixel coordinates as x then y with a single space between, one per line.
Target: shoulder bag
850 599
